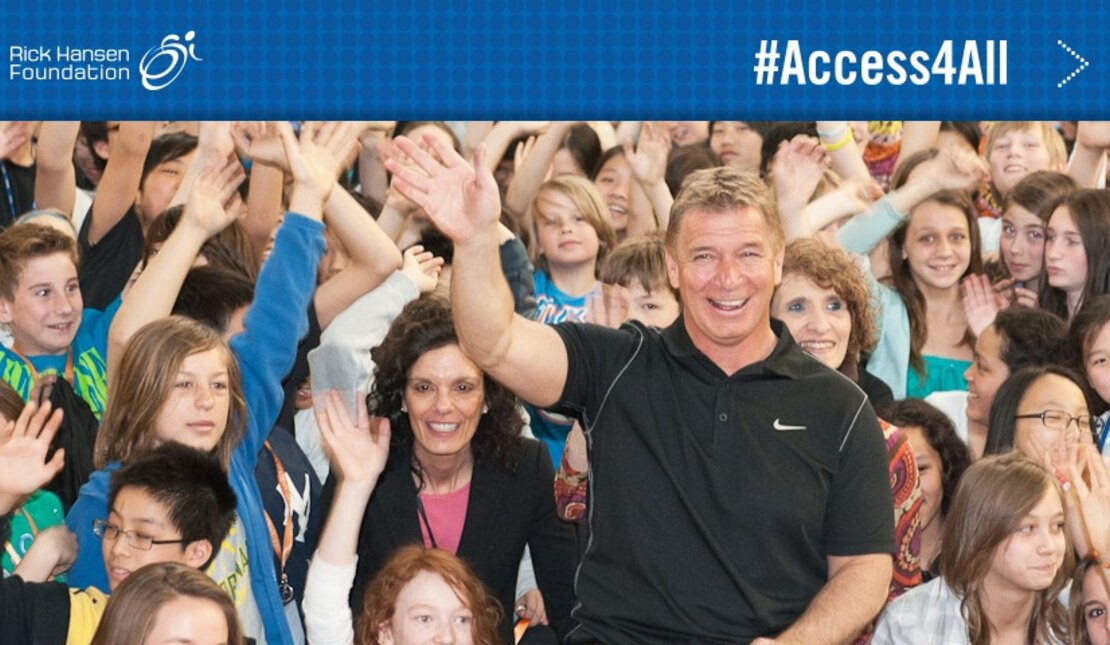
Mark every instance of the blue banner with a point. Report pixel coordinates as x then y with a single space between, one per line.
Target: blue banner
572 59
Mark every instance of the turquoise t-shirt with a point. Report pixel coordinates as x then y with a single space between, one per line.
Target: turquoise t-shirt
941 374
90 370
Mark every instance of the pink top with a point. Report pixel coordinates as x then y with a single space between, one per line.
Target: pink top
447 515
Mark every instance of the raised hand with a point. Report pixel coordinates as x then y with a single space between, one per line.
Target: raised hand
357 454
1091 499
521 152
799 166
463 203
956 169
422 268
260 142
649 159
607 307
214 186
23 448
316 160
214 139
981 302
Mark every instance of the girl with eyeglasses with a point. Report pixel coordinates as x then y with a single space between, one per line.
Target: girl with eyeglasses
1045 413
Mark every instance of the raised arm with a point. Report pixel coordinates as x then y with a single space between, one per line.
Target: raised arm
649 166
259 142
917 136
357 457
214 146
55 178
528 357
502 134
24 446
120 183
155 291
373 255
532 172
1088 162
840 145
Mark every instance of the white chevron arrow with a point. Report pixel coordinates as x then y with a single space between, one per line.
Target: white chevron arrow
1083 63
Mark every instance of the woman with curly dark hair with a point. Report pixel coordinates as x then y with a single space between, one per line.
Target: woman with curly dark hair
459 476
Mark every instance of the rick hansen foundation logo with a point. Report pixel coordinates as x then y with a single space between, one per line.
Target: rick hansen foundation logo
162 65
158 68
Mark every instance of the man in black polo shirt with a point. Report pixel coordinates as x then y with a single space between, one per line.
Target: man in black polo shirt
739 489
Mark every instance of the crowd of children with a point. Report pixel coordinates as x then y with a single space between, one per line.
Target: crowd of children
237 403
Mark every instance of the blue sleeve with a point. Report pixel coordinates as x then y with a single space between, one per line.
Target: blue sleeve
274 323
864 231
96 323
88 568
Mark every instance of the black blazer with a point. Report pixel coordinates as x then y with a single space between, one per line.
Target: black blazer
505 511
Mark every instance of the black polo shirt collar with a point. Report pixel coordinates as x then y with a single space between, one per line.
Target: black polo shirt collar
786 359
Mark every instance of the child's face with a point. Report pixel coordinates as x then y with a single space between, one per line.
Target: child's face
565 236
929 468
1096 362
136 512
938 246
736 144
158 188
195 411
1029 559
1015 155
428 610
656 307
45 312
1022 243
614 181
1064 253
187 619
1095 603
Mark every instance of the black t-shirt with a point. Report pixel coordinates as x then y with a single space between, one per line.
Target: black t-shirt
18 186
107 266
716 499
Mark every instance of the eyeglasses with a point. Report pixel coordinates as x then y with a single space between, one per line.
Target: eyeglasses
1060 420
102 529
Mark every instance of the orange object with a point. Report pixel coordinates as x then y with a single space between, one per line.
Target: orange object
521 627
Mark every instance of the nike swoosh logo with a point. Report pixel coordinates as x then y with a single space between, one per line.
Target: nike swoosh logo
780 427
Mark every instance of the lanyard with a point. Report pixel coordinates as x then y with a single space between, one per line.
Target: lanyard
283 547
1102 438
35 372
427 524
9 190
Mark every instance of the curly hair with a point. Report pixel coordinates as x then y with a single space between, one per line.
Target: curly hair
407 562
425 325
830 268
938 431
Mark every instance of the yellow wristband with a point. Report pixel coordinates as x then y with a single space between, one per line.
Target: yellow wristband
844 140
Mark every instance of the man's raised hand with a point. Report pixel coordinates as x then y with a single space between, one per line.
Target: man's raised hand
464 203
